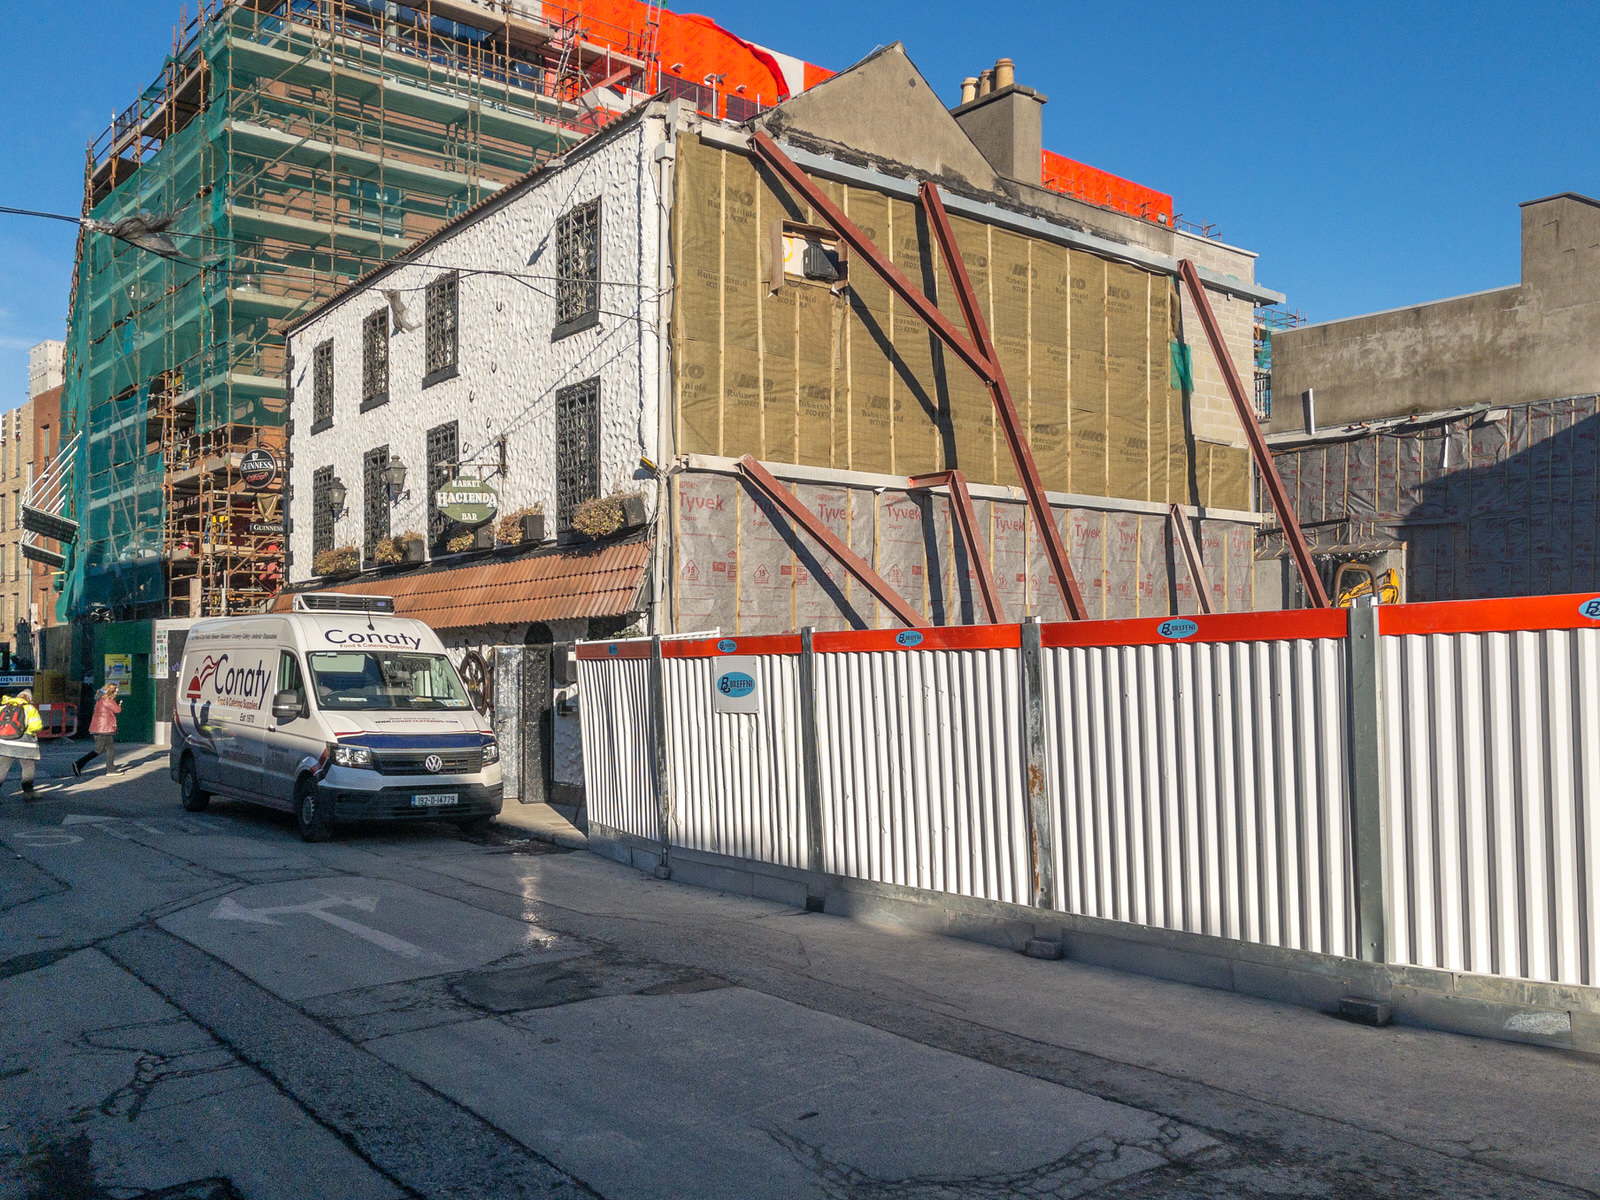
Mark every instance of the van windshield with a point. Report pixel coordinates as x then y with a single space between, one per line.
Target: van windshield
381 680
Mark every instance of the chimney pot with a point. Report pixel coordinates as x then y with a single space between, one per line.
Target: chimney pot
986 82
969 89
1005 74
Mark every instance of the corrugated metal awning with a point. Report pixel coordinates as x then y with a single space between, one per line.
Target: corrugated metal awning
546 585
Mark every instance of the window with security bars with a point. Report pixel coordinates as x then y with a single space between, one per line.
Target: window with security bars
321 513
375 359
322 387
374 502
443 447
577 448
578 268
441 336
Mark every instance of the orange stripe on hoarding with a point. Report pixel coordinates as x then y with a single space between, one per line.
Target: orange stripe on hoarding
781 643
1288 625
1579 610
950 637
602 651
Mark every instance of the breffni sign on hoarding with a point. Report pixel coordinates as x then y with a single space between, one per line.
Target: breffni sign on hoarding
468 501
735 684
258 468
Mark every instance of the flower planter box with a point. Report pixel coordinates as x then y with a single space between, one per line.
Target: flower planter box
532 528
483 538
633 512
412 550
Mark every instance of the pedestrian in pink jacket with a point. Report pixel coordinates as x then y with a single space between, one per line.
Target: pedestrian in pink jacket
104 727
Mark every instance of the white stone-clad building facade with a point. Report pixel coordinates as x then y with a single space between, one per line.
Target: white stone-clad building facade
510 359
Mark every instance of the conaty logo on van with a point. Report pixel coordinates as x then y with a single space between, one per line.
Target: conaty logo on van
240 687
371 637
206 671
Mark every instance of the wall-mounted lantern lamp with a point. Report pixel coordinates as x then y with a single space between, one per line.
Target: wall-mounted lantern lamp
394 478
336 495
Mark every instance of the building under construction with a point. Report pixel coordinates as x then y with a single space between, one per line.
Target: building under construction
287 148
284 150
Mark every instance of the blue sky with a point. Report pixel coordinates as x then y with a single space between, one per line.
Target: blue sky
1372 154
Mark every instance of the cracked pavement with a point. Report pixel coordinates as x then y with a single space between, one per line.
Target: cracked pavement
202 1007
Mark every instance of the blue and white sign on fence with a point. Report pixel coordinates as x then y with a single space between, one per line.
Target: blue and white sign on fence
736 684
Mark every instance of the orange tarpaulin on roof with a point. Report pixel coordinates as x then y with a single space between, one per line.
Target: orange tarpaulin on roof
701 45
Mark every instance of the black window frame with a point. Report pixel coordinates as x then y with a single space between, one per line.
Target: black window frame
578 269
321 513
442 319
374 502
322 386
375 359
577 448
443 451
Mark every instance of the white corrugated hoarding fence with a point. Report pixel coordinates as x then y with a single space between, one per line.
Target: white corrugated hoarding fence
1200 785
1199 775
922 768
1492 743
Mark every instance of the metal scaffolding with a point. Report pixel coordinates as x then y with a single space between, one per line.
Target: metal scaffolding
295 145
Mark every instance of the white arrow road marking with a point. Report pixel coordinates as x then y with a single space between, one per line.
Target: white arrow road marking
110 825
229 909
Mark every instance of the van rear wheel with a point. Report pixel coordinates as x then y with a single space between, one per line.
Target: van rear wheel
313 815
190 792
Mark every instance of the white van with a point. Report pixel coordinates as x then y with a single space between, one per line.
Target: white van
336 711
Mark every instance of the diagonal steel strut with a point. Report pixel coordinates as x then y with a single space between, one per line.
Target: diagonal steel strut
977 353
768 484
1252 432
1005 408
977 550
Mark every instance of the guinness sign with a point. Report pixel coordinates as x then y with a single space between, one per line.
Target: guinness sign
259 469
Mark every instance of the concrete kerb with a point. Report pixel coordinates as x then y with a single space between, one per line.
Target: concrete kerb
543 823
1556 1015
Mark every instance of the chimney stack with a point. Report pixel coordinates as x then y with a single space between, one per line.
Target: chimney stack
1004 121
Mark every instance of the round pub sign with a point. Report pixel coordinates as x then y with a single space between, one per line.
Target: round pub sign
258 468
468 501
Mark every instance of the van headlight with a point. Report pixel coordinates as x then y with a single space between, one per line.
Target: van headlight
491 753
352 756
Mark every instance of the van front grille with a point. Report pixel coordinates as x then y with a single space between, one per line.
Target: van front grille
410 762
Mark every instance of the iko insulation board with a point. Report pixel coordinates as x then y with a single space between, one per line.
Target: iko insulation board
849 377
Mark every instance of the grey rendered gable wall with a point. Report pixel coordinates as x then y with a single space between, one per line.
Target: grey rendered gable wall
883 108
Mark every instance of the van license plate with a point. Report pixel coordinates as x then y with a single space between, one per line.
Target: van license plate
434 799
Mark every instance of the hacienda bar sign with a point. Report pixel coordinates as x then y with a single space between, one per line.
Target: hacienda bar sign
467 501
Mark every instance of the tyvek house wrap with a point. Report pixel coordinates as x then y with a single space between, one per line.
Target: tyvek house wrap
739 570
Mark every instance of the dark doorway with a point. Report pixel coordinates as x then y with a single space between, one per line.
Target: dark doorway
538 718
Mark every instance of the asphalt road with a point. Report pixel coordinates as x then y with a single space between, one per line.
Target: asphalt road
202 1007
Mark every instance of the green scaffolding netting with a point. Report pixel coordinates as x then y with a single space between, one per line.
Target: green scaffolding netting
294 154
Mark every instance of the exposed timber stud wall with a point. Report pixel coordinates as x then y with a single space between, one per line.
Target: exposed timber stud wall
853 379
851 388
1397 803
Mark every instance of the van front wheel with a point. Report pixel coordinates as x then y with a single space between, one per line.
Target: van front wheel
313 815
190 792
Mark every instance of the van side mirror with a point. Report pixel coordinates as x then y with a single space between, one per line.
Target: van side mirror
285 706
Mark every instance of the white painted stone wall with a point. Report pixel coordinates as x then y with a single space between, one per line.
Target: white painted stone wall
510 369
